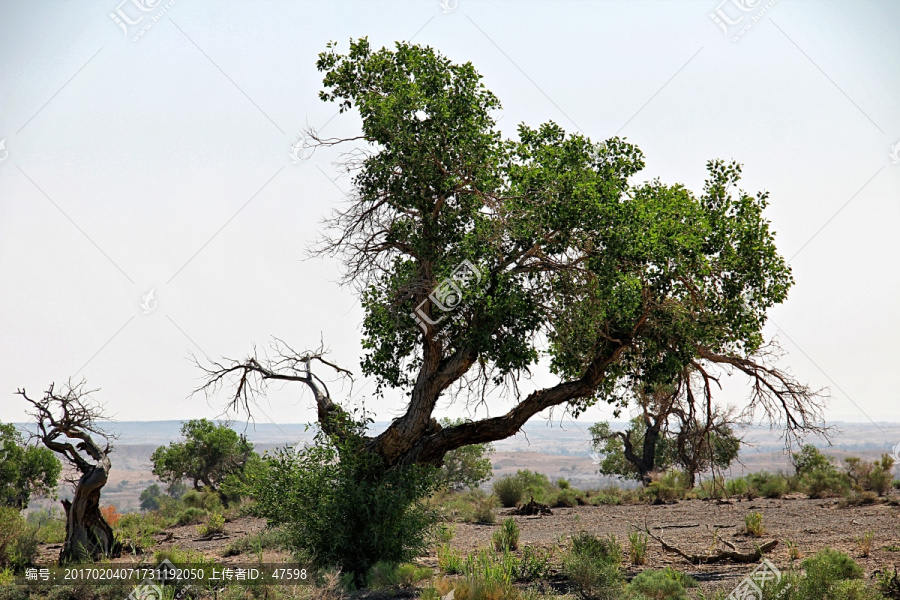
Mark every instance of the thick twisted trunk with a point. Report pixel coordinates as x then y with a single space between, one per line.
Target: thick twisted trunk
88 535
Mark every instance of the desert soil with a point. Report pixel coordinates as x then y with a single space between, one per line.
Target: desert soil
690 525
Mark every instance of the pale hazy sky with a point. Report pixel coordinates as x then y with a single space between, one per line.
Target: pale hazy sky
163 164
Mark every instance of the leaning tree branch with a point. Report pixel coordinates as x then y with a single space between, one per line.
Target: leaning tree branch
250 378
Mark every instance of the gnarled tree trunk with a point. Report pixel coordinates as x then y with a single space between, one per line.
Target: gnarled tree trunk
88 535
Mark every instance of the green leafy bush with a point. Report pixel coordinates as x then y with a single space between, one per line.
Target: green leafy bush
670 487
824 570
753 524
509 491
386 575
768 485
190 516
342 506
215 524
592 564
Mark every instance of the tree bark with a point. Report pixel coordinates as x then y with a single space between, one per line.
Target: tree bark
88 535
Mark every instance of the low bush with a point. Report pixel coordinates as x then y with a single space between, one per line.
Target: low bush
205 499
268 539
824 570
18 540
386 575
657 585
215 524
509 491
864 543
507 537
753 524
190 516
637 547
826 483
672 486
768 485
592 564
568 497
343 506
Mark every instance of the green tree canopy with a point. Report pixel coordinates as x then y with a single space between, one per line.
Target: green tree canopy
25 470
209 453
479 259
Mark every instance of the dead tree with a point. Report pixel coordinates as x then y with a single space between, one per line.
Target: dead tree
66 423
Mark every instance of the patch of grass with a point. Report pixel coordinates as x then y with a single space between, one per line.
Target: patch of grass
268 539
507 537
753 524
672 486
637 547
450 560
387 575
661 585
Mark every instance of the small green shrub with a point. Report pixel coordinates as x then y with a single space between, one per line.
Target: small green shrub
536 564
450 560
672 486
826 482
753 524
768 485
215 524
508 490
443 534
191 515
592 564
341 504
206 499
637 547
507 537
657 585
737 487
824 570
18 540
268 539
864 543
563 484
568 497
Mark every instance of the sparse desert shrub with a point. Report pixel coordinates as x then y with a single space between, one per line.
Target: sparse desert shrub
888 583
672 486
879 478
637 547
190 516
18 540
568 497
712 488
443 534
508 490
611 495
450 560
507 537
737 487
657 585
864 543
215 524
205 499
825 569
535 564
825 483
593 565
768 485
753 524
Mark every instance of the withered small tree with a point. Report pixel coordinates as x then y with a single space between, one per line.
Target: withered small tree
67 423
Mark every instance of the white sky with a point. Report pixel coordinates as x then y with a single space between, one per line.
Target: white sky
163 164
